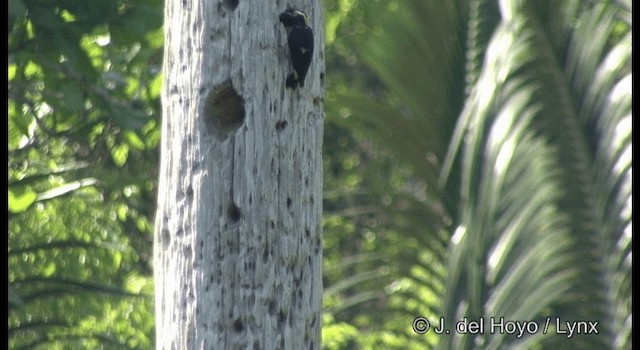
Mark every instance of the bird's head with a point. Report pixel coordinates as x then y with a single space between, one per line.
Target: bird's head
299 18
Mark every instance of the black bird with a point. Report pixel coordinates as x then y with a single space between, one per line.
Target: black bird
300 40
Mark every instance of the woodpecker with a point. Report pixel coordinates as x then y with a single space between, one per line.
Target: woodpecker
300 40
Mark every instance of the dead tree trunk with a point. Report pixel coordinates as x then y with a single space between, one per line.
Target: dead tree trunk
238 242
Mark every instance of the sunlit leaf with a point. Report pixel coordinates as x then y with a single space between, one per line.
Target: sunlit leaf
21 198
120 154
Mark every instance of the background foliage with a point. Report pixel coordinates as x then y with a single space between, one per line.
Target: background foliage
477 163
83 131
510 124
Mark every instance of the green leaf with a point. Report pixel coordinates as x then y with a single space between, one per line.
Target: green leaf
49 270
21 198
120 154
18 129
134 140
155 87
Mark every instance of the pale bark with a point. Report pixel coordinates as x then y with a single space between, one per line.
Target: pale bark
238 242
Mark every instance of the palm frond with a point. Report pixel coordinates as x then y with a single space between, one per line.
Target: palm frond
517 117
559 101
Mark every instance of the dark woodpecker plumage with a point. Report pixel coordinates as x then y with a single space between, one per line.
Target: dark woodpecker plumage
300 40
